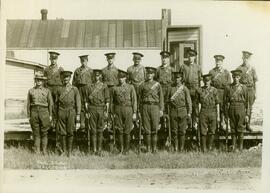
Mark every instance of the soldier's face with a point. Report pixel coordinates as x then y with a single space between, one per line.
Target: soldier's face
219 63
236 78
150 76
98 77
84 62
65 79
191 59
178 80
38 82
53 61
122 80
245 59
206 82
110 61
136 61
165 60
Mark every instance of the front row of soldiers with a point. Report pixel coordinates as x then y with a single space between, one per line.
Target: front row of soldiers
110 94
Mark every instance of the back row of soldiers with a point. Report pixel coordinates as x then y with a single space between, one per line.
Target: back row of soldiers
142 92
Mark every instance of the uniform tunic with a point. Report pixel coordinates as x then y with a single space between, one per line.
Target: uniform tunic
180 106
249 79
191 76
110 75
237 106
125 105
151 101
39 109
96 96
208 98
136 75
164 77
221 78
69 105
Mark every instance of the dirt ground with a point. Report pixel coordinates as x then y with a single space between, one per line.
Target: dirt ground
143 180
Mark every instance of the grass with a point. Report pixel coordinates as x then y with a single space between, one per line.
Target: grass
22 158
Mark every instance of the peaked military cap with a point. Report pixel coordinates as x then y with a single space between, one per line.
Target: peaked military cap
177 74
236 72
150 70
191 52
219 57
53 54
82 57
65 73
246 54
97 71
165 53
40 76
110 55
122 74
137 55
207 77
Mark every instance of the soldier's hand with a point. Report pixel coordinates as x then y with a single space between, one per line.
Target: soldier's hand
161 113
246 119
78 125
106 114
78 119
134 117
218 119
51 119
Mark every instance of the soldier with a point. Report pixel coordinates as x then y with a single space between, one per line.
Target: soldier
82 77
192 76
68 104
221 78
249 79
180 110
164 77
125 109
53 82
97 99
237 108
208 105
136 72
39 111
151 101
136 75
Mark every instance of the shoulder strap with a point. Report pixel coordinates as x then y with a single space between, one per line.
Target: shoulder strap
67 90
177 92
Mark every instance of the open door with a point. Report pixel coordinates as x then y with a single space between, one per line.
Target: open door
180 40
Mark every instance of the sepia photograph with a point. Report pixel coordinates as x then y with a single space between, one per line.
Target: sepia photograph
128 96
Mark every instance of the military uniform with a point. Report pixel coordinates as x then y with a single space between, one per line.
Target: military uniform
191 75
125 106
208 98
82 77
221 78
249 79
151 102
39 109
237 107
96 96
68 104
53 82
179 106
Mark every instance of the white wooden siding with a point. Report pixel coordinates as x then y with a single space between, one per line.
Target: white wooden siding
183 35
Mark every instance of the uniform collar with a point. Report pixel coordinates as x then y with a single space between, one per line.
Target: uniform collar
111 66
36 87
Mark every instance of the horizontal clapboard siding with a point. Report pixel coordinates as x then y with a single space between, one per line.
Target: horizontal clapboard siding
19 79
60 34
183 35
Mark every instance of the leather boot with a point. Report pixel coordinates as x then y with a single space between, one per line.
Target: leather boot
240 140
211 141
37 144
64 145
44 142
182 139
70 142
175 143
148 143
94 143
127 142
233 142
121 143
154 143
99 143
203 143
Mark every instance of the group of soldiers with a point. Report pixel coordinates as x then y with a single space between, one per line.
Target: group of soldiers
153 103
